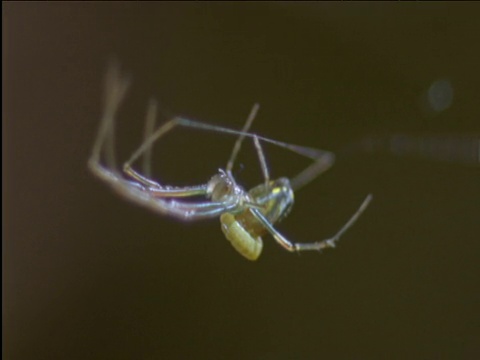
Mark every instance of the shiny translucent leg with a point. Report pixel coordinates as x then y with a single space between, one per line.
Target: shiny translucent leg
149 127
142 191
168 191
159 191
159 199
179 209
261 158
241 137
115 90
154 188
323 159
238 145
319 245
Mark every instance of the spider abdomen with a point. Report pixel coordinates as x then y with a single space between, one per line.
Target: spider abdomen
247 245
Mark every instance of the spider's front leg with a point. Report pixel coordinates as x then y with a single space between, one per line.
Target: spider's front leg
145 151
156 190
116 86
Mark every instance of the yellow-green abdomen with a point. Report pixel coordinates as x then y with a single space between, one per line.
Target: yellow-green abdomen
247 245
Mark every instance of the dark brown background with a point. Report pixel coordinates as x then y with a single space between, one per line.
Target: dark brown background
88 275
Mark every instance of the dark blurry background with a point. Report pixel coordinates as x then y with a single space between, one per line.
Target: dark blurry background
87 275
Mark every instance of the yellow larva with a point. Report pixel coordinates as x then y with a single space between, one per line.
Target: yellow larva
241 240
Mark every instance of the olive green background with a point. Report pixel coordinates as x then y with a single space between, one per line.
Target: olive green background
87 275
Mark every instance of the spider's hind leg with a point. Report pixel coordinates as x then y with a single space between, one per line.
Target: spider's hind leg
315 246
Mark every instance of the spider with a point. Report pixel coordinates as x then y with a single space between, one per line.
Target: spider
245 216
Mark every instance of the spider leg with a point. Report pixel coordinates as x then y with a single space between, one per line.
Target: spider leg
140 178
156 190
189 212
318 245
241 137
261 158
153 187
149 127
143 190
202 209
180 121
323 160
138 194
151 137
115 90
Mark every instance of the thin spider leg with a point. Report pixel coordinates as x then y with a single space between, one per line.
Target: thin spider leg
261 158
140 189
197 212
157 190
115 90
192 210
323 161
203 206
140 178
116 87
149 128
279 238
147 144
181 210
171 191
317 246
241 137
